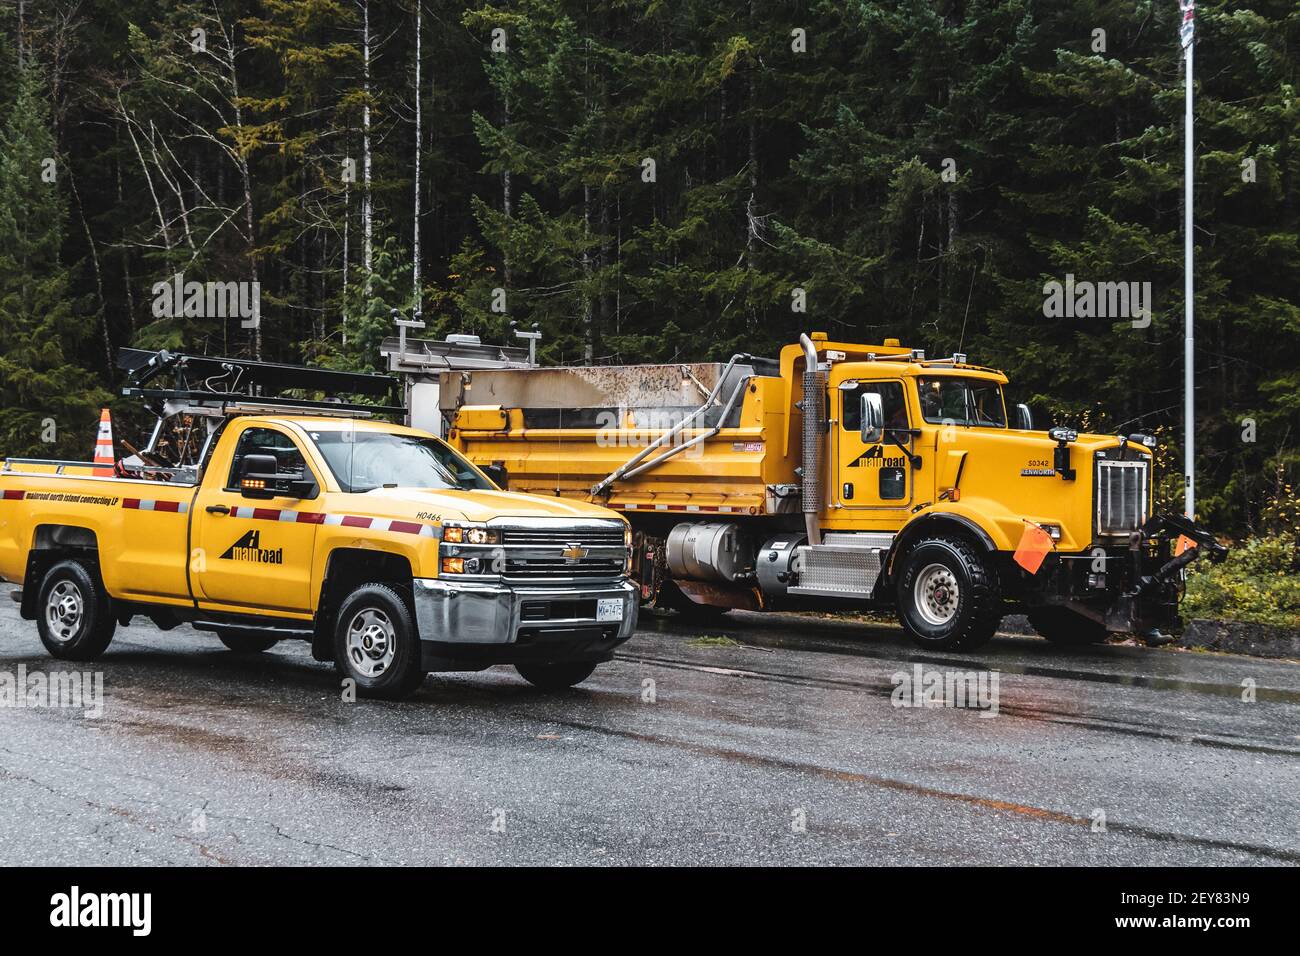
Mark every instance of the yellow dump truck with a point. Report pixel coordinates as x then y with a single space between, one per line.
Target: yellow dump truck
263 519
843 475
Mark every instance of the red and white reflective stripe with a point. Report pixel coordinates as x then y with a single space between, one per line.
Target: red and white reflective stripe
643 506
13 495
279 514
345 521
143 504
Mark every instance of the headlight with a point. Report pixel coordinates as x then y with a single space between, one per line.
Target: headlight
471 534
466 565
1053 530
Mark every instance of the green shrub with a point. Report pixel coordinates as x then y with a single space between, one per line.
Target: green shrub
1259 582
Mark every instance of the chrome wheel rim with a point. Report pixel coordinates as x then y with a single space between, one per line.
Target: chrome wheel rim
64 609
936 594
371 642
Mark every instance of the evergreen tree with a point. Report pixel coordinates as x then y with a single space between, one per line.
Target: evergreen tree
48 402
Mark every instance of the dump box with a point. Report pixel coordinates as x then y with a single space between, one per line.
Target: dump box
565 431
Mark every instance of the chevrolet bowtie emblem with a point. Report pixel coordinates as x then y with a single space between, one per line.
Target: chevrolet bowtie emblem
574 553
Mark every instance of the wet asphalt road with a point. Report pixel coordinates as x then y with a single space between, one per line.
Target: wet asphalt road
786 750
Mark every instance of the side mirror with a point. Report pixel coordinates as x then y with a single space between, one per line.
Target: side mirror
498 475
873 418
1024 418
260 477
257 474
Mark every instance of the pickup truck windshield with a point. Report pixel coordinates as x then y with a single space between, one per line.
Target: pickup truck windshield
363 461
962 401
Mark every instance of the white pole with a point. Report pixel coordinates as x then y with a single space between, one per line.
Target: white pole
1189 359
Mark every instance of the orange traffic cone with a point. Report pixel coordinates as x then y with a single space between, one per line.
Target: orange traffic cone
104 446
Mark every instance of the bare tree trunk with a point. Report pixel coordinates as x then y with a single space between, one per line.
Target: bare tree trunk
588 326
247 184
507 199
347 229
144 168
415 240
99 275
367 210
126 251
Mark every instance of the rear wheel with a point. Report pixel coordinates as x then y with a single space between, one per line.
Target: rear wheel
247 642
75 619
556 676
377 644
948 595
1060 625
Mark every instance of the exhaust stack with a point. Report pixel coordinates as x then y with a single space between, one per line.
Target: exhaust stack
814 430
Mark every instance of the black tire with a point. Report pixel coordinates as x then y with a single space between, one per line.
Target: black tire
247 642
1062 626
947 621
74 613
370 614
556 676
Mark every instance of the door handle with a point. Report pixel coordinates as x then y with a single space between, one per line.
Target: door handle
217 510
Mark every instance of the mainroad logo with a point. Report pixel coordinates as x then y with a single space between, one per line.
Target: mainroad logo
875 457
75 908
248 548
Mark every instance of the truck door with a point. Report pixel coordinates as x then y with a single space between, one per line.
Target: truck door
878 475
255 553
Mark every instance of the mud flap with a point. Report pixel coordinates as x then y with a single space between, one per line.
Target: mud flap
736 597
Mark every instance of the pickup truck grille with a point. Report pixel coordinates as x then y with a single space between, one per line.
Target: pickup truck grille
1123 490
564 552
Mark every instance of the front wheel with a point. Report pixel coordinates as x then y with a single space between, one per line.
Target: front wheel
76 620
1062 626
948 595
555 676
376 643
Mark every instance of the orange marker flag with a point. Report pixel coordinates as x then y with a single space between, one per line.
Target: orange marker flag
104 445
1182 544
1035 545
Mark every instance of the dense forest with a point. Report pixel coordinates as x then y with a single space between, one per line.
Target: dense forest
655 181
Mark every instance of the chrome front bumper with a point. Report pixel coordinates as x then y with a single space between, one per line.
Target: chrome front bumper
493 613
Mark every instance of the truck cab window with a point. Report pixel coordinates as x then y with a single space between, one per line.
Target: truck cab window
962 401
267 441
891 396
363 461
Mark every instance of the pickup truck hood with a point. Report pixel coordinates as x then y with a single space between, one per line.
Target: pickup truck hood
480 505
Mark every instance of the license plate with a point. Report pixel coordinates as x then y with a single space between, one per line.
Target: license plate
609 609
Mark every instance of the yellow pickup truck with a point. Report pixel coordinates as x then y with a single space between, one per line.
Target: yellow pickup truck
380 544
